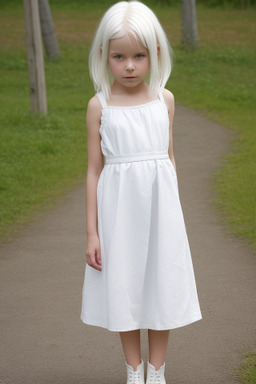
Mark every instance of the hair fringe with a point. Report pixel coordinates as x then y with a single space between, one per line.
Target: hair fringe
137 19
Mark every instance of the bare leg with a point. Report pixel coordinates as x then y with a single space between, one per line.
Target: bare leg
158 342
131 347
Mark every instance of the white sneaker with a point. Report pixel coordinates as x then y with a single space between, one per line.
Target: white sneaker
135 377
153 376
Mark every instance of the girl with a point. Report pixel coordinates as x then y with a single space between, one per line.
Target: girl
139 273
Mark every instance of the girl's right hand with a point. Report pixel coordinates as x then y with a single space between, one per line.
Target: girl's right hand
93 254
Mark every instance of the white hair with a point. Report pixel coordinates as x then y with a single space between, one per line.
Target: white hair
136 19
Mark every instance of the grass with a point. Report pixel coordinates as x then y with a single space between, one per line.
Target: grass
42 155
247 371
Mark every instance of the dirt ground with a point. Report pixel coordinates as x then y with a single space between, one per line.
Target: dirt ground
43 340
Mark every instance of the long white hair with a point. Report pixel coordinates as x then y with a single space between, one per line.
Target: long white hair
136 19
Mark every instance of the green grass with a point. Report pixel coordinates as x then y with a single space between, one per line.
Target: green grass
247 371
42 155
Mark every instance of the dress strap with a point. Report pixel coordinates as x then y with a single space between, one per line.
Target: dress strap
160 95
102 99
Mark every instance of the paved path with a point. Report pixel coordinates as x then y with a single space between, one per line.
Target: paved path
43 340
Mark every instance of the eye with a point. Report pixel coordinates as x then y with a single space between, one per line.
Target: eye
118 57
140 56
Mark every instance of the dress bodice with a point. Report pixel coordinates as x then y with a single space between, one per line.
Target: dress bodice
134 129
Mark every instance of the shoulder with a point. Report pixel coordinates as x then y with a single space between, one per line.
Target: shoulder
169 101
94 109
93 113
94 105
168 97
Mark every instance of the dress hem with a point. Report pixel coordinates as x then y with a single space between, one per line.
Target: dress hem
143 326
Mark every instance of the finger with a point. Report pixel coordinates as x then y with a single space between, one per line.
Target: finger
98 256
98 262
92 262
96 266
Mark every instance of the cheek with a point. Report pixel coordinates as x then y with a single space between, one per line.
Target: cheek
111 66
114 65
146 66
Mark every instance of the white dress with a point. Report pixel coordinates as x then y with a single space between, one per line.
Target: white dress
147 278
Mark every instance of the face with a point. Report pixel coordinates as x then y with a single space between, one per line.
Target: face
128 61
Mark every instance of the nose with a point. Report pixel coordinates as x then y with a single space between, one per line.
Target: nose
129 65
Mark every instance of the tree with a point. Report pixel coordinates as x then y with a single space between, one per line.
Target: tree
35 57
189 24
48 30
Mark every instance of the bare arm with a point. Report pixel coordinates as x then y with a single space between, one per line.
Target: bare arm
95 165
169 100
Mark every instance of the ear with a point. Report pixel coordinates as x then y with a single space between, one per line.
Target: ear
158 49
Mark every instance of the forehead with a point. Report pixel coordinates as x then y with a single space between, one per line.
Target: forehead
126 43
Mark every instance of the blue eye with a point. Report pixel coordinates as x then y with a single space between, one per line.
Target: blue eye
118 57
139 56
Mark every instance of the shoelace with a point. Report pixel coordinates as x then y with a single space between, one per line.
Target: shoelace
155 378
134 377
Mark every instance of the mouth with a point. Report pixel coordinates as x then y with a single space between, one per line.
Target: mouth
130 77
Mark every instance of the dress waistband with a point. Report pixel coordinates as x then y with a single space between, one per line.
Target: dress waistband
157 155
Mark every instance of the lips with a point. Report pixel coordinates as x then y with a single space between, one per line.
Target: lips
130 77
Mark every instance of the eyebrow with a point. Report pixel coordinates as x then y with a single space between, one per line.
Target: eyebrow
121 53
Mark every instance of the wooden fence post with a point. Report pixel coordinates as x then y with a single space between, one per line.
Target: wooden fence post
189 23
35 57
48 30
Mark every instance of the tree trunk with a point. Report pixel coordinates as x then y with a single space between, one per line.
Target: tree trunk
189 24
35 57
48 30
